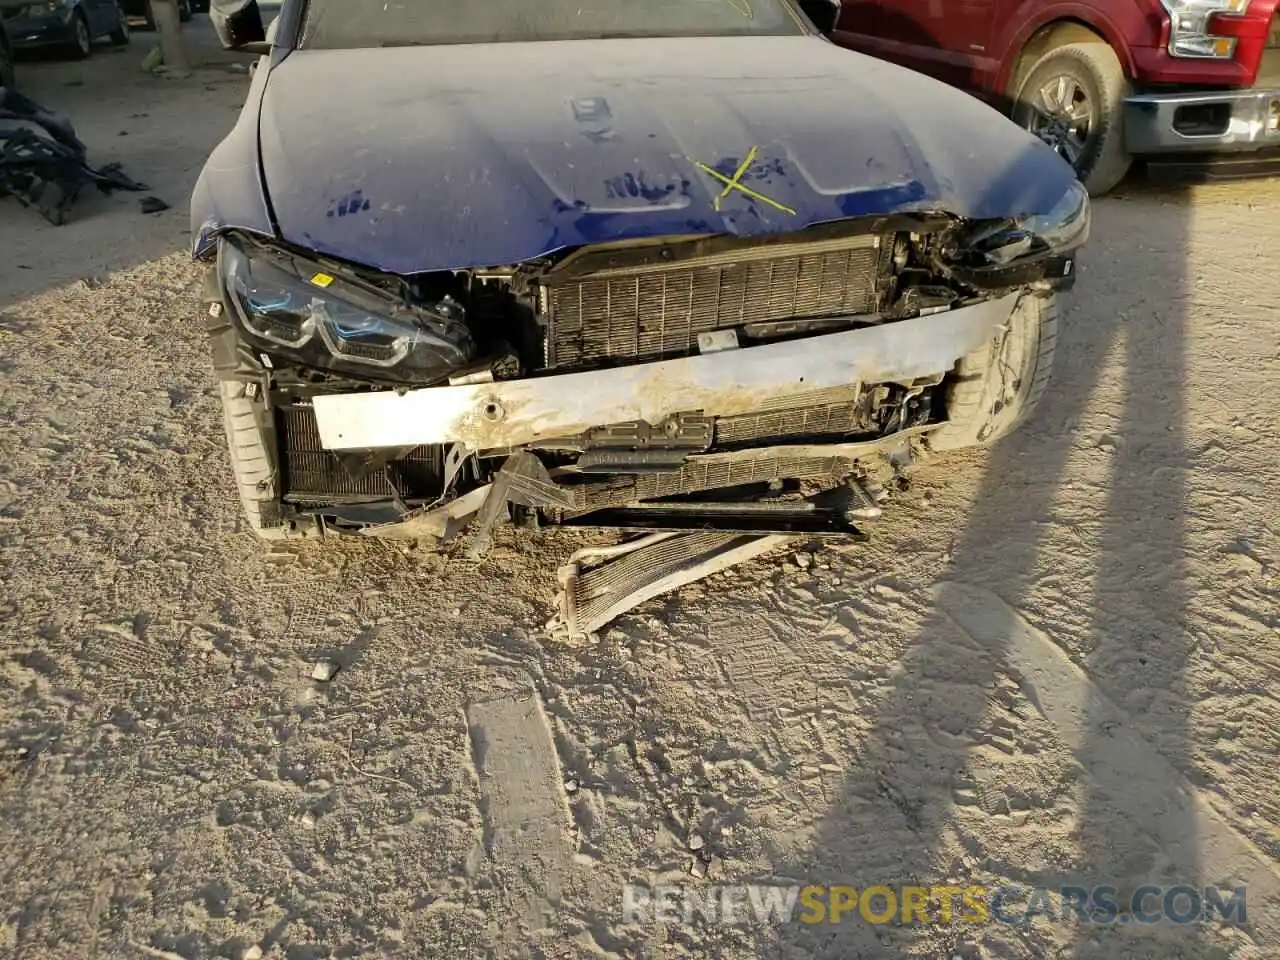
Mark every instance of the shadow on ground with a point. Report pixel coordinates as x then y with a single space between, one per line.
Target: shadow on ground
1128 309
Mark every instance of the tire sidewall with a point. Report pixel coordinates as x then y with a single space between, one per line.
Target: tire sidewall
1000 385
81 40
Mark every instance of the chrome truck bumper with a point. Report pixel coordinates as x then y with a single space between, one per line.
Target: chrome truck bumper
724 383
1202 122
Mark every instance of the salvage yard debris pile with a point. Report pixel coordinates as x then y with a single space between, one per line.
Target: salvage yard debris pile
43 164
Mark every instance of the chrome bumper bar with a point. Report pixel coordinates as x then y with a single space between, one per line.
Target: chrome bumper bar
1204 121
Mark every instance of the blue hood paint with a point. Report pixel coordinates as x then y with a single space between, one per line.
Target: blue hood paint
426 158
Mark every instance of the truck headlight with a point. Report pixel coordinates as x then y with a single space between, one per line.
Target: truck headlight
296 310
1190 34
1023 249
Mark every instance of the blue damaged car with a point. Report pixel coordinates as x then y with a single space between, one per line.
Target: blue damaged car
664 265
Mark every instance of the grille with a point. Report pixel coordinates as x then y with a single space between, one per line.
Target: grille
644 313
314 475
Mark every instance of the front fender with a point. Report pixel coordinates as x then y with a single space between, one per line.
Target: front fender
230 192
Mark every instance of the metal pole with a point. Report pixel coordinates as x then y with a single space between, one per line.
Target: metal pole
169 30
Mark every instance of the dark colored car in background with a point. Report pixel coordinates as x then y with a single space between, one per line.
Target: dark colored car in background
1190 86
70 25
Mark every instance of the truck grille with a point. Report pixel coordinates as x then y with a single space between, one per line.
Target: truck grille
635 314
316 476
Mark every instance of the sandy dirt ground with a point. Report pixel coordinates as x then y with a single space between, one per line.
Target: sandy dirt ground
1056 662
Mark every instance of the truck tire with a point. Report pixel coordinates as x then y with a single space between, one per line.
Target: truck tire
252 464
1086 84
996 388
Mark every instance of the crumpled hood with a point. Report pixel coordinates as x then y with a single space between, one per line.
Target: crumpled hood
424 158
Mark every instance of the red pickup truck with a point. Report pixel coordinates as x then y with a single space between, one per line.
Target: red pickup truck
1190 86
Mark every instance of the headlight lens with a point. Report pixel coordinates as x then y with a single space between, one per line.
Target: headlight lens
1004 243
1189 34
290 308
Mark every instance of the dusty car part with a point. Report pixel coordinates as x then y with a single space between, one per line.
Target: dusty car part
42 162
441 523
720 384
757 518
523 480
999 385
598 585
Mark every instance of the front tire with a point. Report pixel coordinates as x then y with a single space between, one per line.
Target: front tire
252 464
997 387
81 42
120 35
1073 99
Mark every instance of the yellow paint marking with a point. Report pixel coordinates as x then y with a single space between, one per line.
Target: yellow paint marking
735 183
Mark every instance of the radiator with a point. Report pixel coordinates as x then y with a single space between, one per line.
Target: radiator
316 476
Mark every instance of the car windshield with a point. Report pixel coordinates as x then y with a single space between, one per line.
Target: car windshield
337 24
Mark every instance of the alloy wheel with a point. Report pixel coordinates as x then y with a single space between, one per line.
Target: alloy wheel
1063 117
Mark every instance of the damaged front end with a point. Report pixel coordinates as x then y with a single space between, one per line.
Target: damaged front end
746 386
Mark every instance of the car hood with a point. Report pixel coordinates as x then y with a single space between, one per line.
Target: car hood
425 158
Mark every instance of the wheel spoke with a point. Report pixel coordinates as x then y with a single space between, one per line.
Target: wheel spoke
1048 95
1063 93
1071 148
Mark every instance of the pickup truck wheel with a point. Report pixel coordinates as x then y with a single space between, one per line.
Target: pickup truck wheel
1073 100
996 388
252 464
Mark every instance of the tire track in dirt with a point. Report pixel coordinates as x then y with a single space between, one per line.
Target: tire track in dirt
1122 762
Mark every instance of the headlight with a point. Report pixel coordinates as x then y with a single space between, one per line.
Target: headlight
295 309
1190 34
1047 240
